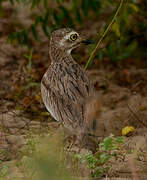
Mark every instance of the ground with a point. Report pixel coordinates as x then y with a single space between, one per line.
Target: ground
122 89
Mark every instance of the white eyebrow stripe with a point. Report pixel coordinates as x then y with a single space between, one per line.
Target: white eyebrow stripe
69 34
67 37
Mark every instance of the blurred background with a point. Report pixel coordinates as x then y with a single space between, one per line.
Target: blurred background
28 20
118 72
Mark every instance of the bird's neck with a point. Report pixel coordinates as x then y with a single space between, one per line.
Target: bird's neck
57 55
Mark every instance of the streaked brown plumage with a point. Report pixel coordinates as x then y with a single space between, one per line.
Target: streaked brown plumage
65 86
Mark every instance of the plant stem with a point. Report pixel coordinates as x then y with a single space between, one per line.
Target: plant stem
103 34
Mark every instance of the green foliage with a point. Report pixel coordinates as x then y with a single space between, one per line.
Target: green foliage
111 143
42 158
99 163
127 34
29 58
54 17
31 82
39 159
117 52
3 171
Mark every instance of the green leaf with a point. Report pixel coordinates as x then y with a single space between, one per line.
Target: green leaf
77 11
111 52
25 38
108 144
95 5
66 14
11 1
128 51
30 85
85 7
46 29
116 28
100 55
134 7
34 32
104 158
46 16
45 3
19 37
59 1
35 3
38 19
120 139
56 18
29 58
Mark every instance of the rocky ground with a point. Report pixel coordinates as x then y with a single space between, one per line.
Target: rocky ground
123 92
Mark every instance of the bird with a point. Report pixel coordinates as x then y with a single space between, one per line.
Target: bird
65 86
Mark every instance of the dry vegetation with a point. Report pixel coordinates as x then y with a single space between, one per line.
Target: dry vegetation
29 136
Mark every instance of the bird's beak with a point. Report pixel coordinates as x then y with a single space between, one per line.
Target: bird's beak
86 41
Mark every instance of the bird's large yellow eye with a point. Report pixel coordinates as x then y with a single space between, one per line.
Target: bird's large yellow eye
73 37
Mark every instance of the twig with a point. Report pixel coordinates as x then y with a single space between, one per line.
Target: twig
103 34
138 83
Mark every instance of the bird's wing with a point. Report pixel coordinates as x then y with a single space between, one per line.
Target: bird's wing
68 92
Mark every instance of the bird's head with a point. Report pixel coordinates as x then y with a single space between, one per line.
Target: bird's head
66 40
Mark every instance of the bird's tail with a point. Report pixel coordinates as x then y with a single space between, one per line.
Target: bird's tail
92 111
